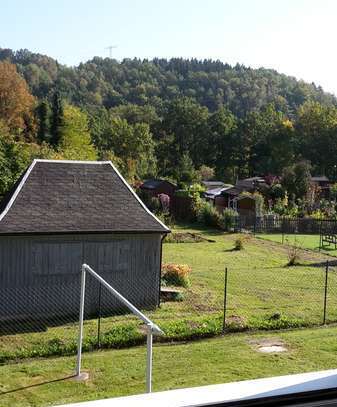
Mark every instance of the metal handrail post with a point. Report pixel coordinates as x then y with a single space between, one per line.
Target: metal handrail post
149 343
81 317
152 329
132 308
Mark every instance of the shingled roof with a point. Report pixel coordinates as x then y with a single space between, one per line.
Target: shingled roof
55 196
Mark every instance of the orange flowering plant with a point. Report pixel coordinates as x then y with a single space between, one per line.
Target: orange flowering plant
176 274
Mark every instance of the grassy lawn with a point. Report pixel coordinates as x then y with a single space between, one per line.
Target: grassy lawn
122 372
262 294
305 241
259 284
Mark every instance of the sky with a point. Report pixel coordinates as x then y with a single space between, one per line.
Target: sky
295 37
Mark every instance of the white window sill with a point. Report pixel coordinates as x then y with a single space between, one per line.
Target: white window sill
205 395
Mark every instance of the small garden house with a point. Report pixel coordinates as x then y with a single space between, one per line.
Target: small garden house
61 214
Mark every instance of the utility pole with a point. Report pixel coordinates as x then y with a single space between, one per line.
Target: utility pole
110 48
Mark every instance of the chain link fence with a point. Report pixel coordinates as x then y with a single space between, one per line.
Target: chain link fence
284 225
44 322
219 301
293 297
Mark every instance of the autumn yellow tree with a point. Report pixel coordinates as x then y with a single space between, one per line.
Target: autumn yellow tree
16 102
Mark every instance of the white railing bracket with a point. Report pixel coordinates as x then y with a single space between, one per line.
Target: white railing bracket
151 328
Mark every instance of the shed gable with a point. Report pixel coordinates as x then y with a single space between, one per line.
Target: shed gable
75 197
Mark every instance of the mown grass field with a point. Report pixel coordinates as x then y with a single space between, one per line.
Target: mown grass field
259 283
310 242
262 294
41 382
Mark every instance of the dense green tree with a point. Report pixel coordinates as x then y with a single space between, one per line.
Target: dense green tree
75 140
316 130
137 114
16 156
6 159
221 145
185 171
43 115
132 144
269 137
186 121
296 179
56 119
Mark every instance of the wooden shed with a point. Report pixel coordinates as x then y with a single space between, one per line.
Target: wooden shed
61 214
154 187
245 205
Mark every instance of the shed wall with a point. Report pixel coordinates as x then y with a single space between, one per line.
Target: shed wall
40 275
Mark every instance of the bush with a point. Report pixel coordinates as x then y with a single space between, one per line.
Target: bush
178 297
276 321
205 173
151 202
166 218
277 192
228 219
176 274
293 252
208 215
238 244
191 191
154 204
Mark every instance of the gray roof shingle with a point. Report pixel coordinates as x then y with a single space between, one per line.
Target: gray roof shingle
74 197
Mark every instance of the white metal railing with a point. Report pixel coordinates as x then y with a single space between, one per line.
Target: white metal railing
152 328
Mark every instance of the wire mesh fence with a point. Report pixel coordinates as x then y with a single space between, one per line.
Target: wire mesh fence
306 233
43 321
224 300
285 225
293 297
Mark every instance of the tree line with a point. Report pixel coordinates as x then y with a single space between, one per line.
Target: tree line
213 84
162 118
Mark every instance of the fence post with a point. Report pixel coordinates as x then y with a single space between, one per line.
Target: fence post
80 331
320 236
225 301
282 229
149 359
325 291
99 316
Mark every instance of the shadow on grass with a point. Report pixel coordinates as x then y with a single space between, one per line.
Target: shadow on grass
297 265
332 263
326 249
3 393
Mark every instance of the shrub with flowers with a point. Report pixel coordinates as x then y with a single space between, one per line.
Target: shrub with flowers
165 202
176 274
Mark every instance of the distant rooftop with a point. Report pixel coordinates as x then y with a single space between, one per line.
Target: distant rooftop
209 184
211 193
155 183
320 178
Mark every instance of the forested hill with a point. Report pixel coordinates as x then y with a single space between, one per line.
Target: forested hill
180 119
107 82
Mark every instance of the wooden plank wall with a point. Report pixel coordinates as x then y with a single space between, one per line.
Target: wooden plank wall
40 275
